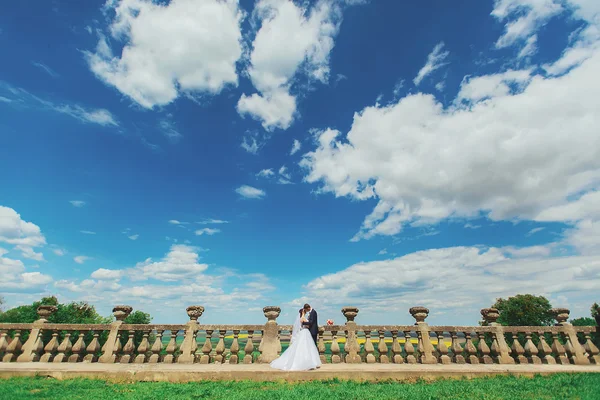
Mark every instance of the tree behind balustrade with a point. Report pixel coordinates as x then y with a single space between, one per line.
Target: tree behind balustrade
524 310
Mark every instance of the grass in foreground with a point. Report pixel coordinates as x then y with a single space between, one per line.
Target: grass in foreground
559 386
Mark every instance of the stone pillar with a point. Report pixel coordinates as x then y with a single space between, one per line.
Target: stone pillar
352 347
499 345
33 346
419 314
111 346
270 344
189 345
578 356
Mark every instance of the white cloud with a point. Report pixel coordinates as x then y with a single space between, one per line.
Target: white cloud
14 277
86 115
212 221
28 252
207 231
168 129
59 252
473 276
523 17
134 237
296 146
250 192
179 264
88 232
266 173
535 230
16 231
176 222
185 47
530 47
435 60
107 274
77 203
81 259
469 225
531 149
292 38
251 142
382 252
398 88
46 69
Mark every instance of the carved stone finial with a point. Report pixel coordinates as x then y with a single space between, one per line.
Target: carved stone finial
350 313
121 312
561 315
490 315
194 312
45 311
271 312
419 313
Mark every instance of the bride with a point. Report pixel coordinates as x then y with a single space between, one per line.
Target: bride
302 354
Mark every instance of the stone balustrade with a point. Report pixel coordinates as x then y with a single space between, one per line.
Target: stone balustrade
351 343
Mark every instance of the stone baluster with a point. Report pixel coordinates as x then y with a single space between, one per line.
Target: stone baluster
574 349
63 348
235 348
500 349
352 348
470 349
457 349
207 348
13 349
93 348
33 346
128 350
321 346
142 348
3 343
425 347
279 348
76 350
484 350
591 349
335 349
419 346
169 358
396 349
269 342
442 349
558 349
112 346
156 348
219 358
531 352
249 349
50 349
382 348
189 346
369 349
517 350
409 349
545 351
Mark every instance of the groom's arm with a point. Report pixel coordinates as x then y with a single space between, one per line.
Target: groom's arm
311 319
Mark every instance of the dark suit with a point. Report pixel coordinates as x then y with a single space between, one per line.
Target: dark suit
312 324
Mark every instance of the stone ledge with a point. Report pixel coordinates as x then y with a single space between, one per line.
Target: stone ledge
262 372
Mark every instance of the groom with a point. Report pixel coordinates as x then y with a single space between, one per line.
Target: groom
312 324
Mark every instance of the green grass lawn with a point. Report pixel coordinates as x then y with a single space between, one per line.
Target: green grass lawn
560 386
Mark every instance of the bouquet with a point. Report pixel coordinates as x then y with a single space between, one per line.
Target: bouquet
329 322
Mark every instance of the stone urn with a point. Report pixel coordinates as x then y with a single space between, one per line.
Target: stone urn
490 315
121 312
561 315
194 312
271 312
419 313
350 313
45 311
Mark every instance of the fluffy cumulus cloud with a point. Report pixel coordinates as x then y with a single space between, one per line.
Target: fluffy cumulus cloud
474 276
293 38
513 144
24 235
184 47
250 192
172 283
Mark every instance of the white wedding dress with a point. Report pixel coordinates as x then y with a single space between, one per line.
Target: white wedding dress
302 354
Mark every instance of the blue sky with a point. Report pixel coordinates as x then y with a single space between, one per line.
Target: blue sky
381 154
